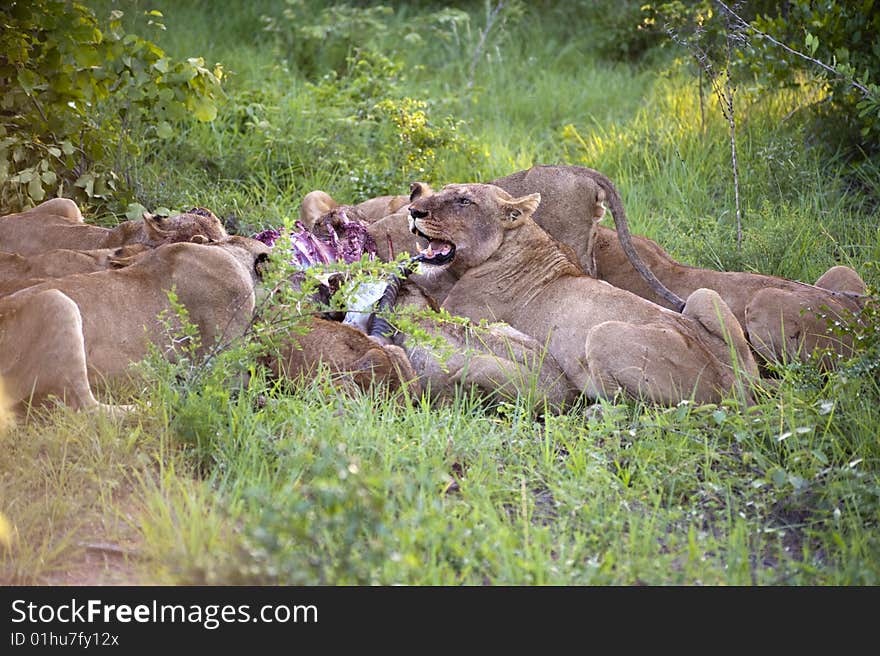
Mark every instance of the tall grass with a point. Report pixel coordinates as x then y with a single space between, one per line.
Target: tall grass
313 485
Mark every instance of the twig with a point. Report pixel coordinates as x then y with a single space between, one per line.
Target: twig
725 94
702 105
483 34
107 548
732 121
743 23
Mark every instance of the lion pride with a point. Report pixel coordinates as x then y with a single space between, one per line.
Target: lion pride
782 319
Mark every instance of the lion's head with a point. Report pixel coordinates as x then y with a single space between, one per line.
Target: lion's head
462 225
199 225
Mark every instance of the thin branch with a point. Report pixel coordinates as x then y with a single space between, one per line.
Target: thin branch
743 23
724 91
731 120
483 34
730 37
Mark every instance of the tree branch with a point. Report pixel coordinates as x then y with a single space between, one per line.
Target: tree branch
485 33
742 22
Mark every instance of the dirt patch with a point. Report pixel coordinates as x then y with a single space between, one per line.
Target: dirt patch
108 551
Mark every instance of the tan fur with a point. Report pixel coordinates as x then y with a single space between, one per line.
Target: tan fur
41 229
349 354
42 352
20 271
53 210
314 205
498 360
317 203
381 206
569 211
763 304
604 338
119 307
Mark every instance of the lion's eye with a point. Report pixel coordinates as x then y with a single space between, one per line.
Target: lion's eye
464 201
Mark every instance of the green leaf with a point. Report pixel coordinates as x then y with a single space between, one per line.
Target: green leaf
67 148
87 182
28 80
135 211
812 43
100 187
164 130
779 477
55 152
49 178
204 110
35 189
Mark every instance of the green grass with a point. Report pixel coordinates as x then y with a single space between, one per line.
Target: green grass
312 485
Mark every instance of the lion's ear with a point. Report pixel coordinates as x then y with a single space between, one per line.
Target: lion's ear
199 239
261 264
154 229
117 262
599 210
518 210
419 189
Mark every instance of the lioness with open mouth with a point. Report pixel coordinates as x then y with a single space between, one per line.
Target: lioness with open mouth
605 339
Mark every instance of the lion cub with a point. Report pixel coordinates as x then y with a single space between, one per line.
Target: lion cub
605 339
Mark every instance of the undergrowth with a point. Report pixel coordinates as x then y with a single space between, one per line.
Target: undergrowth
240 480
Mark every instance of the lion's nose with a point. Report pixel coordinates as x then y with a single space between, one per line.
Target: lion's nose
417 214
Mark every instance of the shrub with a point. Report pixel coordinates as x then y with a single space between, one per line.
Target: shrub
829 49
842 35
75 91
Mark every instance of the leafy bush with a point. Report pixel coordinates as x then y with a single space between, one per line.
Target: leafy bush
829 48
320 40
842 35
390 139
326 527
75 91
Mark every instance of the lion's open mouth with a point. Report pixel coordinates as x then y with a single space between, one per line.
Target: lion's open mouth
437 252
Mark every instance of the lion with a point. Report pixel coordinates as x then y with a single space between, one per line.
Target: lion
782 319
41 229
496 359
103 322
605 339
317 203
20 271
785 319
390 232
216 283
43 367
348 354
